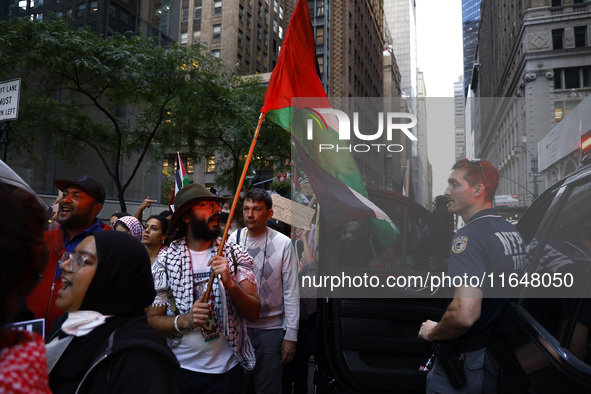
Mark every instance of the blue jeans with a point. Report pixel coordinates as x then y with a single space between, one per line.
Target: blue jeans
266 376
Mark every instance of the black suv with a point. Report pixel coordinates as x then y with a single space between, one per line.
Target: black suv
370 344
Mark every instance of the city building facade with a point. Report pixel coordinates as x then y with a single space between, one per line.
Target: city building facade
395 163
153 19
459 140
245 34
470 24
534 68
401 18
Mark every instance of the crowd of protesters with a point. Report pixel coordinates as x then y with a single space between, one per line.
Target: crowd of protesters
150 306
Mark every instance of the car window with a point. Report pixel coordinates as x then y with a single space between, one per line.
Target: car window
420 246
529 223
560 256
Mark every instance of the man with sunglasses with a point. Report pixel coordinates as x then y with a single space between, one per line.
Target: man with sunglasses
207 333
486 246
82 200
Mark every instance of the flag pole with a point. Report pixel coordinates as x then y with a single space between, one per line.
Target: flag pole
235 200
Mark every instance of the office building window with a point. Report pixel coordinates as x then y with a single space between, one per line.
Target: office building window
248 19
240 13
197 36
563 108
165 168
240 37
556 3
210 165
185 14
580 36
280 12
319 7
280 32
320 35
320 60
557 38
217 7
94 6
81 9
217 32
572 77
275 5
184 38
266 17
190 165
124 16
197 12
216 53
265 38
275 25
248 45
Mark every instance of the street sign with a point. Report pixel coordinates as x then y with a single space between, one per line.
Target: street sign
534 174
9 98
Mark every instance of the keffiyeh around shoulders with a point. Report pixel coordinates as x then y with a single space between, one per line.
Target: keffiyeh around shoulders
173 269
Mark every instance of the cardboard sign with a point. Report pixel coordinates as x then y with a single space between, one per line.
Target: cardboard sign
291 212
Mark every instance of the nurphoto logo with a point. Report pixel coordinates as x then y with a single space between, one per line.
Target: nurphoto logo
395 122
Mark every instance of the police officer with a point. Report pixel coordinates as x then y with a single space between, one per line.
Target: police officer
485 247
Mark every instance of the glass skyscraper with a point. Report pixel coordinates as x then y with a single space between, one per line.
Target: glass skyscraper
470 23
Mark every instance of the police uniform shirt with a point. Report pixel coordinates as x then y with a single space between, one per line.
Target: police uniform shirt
487 246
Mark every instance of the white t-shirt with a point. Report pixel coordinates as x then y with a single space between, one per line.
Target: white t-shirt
193 352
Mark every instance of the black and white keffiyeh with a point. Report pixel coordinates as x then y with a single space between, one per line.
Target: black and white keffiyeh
173 269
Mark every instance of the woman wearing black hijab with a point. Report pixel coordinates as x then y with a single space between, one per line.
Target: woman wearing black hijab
109 346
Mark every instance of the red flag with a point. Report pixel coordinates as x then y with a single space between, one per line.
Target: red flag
295 74
295 77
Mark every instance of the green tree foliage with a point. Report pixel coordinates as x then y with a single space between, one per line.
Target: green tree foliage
122 96
232 134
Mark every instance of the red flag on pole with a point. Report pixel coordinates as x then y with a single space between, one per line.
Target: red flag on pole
181 179
295 74
295 77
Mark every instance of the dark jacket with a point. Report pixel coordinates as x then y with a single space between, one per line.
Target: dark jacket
134 359
42 299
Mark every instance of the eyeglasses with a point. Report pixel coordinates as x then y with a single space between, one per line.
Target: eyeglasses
481 170
77 260
208 204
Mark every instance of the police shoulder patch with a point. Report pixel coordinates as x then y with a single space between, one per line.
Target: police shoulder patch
459 244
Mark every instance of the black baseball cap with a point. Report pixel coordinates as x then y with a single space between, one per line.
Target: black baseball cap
87 183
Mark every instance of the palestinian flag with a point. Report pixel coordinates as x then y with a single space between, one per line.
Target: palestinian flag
181 179
292 99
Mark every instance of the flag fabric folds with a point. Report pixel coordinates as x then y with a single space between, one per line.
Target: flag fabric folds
181 179
294 95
